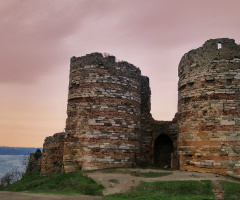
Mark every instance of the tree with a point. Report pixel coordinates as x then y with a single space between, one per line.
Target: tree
10 177
34 163
30 163
37 154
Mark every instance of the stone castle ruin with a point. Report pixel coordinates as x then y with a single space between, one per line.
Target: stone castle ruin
109 123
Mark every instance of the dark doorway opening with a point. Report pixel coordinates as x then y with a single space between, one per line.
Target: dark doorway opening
163 150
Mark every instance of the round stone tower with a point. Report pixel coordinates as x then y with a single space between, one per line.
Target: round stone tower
104 105
209 108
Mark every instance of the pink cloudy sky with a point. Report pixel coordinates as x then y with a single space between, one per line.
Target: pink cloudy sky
38 38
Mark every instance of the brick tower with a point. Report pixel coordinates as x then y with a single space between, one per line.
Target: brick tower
104 105
209 108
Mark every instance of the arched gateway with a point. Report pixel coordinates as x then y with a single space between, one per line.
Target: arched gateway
163 151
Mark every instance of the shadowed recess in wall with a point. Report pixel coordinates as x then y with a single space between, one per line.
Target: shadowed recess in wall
163 149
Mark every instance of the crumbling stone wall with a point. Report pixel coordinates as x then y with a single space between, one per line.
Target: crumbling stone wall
104 107
52 155
146 129
209 108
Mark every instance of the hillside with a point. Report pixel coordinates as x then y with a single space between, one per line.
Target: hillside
12 158
17 150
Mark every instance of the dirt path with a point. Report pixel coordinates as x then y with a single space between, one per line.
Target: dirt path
218 190
30 196
127 181
120 181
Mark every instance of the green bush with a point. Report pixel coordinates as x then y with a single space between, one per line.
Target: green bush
37 154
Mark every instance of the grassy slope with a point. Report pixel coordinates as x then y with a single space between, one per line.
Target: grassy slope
71 183
76 183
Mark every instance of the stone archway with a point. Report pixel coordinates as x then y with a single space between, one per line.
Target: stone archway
163 150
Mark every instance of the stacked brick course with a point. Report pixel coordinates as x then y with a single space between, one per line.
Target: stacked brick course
209 108
104 106
52 155
109 122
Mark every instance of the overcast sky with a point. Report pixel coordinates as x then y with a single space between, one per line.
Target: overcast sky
38 38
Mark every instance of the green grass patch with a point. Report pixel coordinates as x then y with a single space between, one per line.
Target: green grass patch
154 174
233 177
113 181
170 190
71 183
128 171
104 170
158 168
231 190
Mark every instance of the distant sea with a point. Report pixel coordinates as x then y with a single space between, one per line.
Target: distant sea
12 157
9 162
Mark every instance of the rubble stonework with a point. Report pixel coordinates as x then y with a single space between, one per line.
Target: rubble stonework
52 155
144 156
109 122
209 108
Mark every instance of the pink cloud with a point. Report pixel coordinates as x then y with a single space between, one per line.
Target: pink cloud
38 38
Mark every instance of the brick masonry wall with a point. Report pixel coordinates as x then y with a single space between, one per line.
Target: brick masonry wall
52 155
144 157
104 106
209 108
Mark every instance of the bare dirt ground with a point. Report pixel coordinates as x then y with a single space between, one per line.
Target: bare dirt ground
124 182
30 196
127 181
